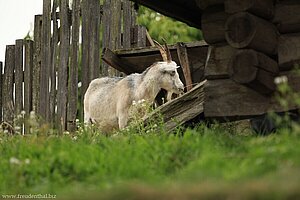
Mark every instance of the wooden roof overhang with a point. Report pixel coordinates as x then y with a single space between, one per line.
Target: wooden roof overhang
186 11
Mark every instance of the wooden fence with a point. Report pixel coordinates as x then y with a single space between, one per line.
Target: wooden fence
44 74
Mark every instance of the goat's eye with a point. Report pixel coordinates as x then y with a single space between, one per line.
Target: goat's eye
172 73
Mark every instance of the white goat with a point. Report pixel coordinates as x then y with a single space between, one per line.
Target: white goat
107 100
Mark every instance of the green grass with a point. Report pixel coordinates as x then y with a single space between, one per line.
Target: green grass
203 162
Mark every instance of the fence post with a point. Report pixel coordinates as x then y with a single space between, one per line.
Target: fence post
73 79
36 69
1 90
28 79
8 101
18 77
62 92
46 60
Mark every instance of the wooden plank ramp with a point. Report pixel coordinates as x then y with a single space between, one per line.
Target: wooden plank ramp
180 110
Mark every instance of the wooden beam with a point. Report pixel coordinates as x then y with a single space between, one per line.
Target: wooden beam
185 12
114 61
180 110
227 100
185 64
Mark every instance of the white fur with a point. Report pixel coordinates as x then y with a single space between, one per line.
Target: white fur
107 100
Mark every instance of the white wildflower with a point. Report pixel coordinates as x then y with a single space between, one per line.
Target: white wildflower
79 84
280 79
14 161
17 128
27 161
133 103
74 138
23 112
66 133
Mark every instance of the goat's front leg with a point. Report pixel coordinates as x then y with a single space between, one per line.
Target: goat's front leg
169 96
123 119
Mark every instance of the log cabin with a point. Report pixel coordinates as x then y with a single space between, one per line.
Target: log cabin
247 45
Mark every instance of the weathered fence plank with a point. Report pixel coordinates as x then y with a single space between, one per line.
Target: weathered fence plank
62 91
85 80
36 68
73 79
28 78
129 18
94 39
1 90
111 29
8 86
185 65
45 61
54 60
18 77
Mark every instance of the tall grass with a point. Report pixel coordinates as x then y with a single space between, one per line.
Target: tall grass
214 157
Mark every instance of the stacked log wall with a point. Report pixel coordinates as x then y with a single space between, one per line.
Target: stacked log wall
255 42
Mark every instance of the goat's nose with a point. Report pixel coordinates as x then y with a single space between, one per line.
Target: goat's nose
181 89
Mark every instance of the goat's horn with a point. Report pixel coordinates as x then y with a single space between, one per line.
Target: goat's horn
162 50
169 57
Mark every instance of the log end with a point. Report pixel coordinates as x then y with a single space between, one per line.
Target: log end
240 29
241 66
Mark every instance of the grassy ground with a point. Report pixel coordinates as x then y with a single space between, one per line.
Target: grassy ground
216 162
